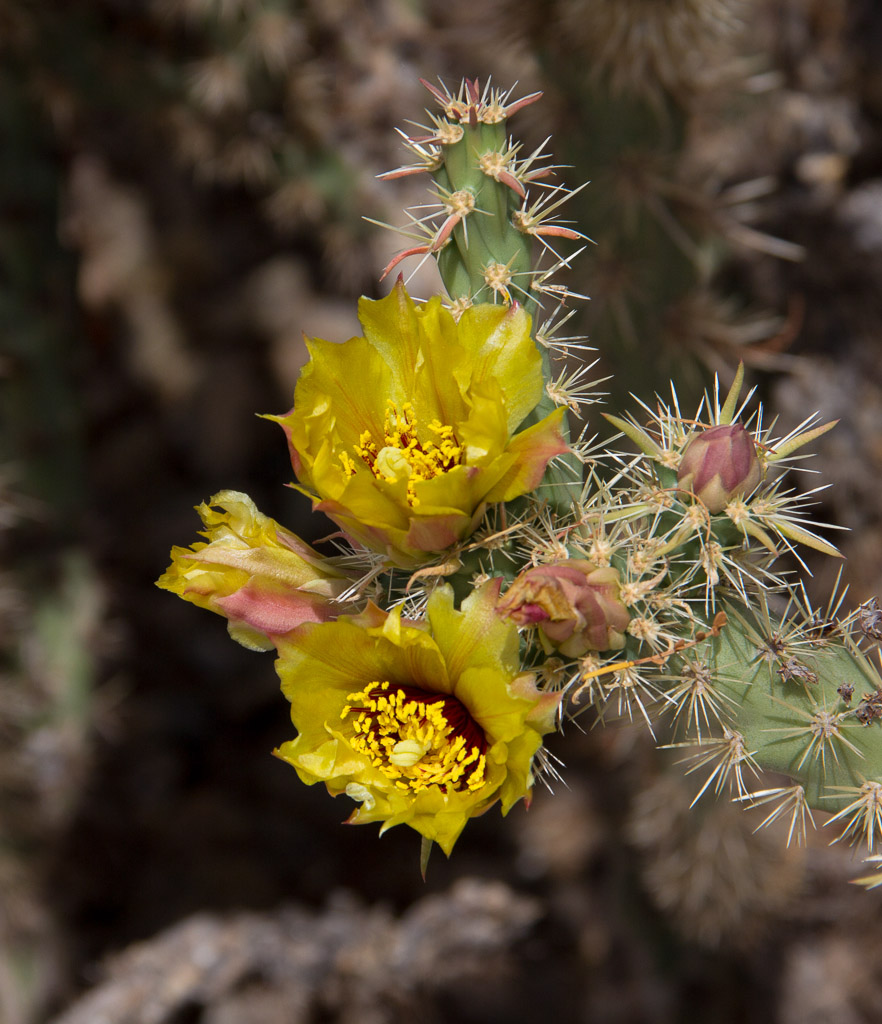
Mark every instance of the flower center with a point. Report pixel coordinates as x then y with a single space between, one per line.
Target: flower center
402 454
415 738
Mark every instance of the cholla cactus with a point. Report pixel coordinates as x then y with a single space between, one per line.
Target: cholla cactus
494 576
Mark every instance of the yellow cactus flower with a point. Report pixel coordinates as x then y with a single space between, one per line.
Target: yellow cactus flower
423 724
404 435
263 578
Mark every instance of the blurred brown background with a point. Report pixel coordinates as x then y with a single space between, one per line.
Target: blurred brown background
182 187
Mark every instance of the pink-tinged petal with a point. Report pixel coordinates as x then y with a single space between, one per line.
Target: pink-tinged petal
366 526
529 614
375 537
437 533
274 614
575 606
533 449
254 613
546 703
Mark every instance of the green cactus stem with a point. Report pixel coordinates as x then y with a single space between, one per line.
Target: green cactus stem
806 703
484 229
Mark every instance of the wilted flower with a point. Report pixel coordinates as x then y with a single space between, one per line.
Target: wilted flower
403 436
423 724
575 605
263 578
720 464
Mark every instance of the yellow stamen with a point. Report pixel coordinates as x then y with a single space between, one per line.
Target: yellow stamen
408 736
403 454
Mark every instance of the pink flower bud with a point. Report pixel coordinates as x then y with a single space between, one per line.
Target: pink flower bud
575 606
720 464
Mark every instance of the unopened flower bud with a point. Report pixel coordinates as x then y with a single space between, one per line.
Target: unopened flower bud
265 580
720 464
575 606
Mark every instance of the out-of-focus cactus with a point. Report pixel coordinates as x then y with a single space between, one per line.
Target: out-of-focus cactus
626 78
48 635
34 310
718 877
